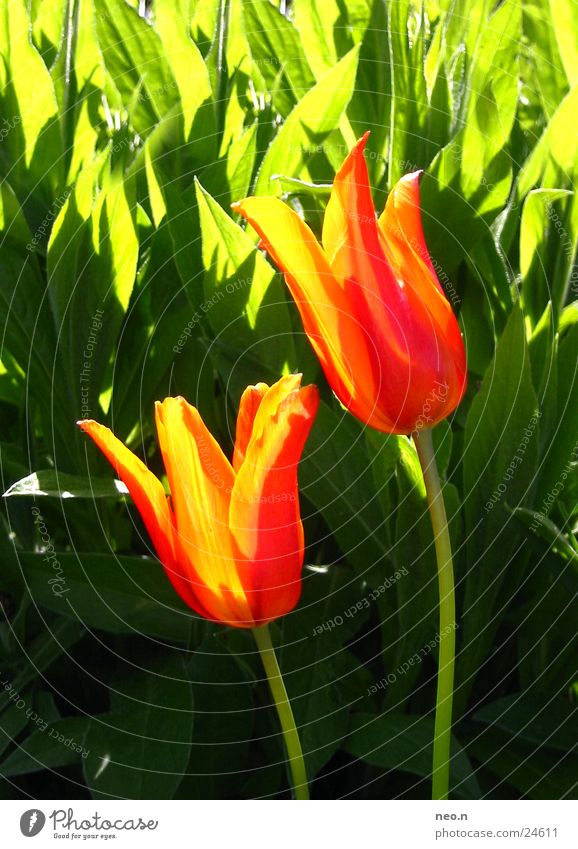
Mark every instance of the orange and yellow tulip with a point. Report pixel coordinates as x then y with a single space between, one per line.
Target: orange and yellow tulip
370 300
229 535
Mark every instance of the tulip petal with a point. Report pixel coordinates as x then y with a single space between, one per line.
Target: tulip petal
351 236
271 400
201 481
350 225
264 515
145 488
151 501
403 239
441 345
338 338
376 295
395 294
248 406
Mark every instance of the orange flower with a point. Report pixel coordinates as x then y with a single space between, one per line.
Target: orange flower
229 536
370 300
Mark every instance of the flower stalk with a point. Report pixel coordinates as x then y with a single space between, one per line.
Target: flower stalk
447 615
284 711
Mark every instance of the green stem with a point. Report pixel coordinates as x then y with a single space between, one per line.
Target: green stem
447 635
283 705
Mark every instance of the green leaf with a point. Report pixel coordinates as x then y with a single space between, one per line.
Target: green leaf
77 73
336 476
415 597
543 664
557 555
47 18
561 452
499 465
543 81
117 594
229 178
31 146
92 260
60 485
184 58
533 772
568 317
544 242
26 323
172 162
492 98
543 346
12 721
555 157
310 122
88 63
158 342
476 325
140 749
244 299
322 678
135 59
319 30
223 697
469 180
403 742
551 724
43 652
489 266
454 220
405 36
371 102
465 26
65 86
278 53
547 530
53 745
565 22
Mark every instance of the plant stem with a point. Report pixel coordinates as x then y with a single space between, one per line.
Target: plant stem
447 608
283 705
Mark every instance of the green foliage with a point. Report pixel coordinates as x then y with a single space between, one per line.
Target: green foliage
403 741
144 739
125 277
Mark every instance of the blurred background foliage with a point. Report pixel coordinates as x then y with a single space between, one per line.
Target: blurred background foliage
127 128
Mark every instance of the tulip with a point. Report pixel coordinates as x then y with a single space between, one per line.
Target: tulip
389 344
229 535
370 300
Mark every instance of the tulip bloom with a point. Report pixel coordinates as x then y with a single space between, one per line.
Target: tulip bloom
229 535
370 300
